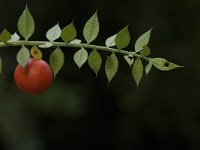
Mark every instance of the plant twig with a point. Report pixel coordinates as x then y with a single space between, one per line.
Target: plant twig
63 44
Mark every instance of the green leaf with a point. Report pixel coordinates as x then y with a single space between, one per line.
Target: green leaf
23 56
129 59
123 38
46 45
1 66
111 66
146 51
14 37
142 41
56 60
111 41
80 57
163 65
137 71
94 61
148 67
76 41
5 36
91 28
53 33
26 25
68 33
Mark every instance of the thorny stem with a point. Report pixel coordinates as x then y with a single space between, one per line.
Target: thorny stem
63 44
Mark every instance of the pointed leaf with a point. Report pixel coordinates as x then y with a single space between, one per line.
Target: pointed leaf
129 59
46 45
111 66
94 61
26 25
146 51
123 38
53 33
23 56
68 33
148 67
36 53
163 65
80 57
76 41
5 36
91 28
1 66
137 71
14 37
111 41
142 41
56 60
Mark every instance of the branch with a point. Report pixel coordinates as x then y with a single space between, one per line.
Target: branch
63 44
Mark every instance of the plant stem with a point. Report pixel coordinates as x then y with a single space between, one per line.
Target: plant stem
63 44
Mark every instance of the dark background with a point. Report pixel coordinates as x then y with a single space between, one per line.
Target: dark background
80 111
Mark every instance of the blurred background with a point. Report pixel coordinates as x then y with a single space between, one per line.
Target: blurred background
80 111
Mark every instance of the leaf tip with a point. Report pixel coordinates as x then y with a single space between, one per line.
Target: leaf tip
180 66
108 84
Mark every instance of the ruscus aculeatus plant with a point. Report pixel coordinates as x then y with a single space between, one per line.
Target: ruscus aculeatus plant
33 75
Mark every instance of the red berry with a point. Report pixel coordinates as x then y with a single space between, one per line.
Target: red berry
35 78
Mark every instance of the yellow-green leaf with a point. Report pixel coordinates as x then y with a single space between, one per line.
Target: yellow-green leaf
123 38
163 65
56 60
14 37
26 25
91 28
94 61
23 56
148 67
111 66
129 59
5 36
68 33
36 53
142 41
137 71
111 41
46 45
53 33
75 41
80 57
146 51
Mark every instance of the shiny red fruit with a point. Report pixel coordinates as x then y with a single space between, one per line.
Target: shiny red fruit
35 78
